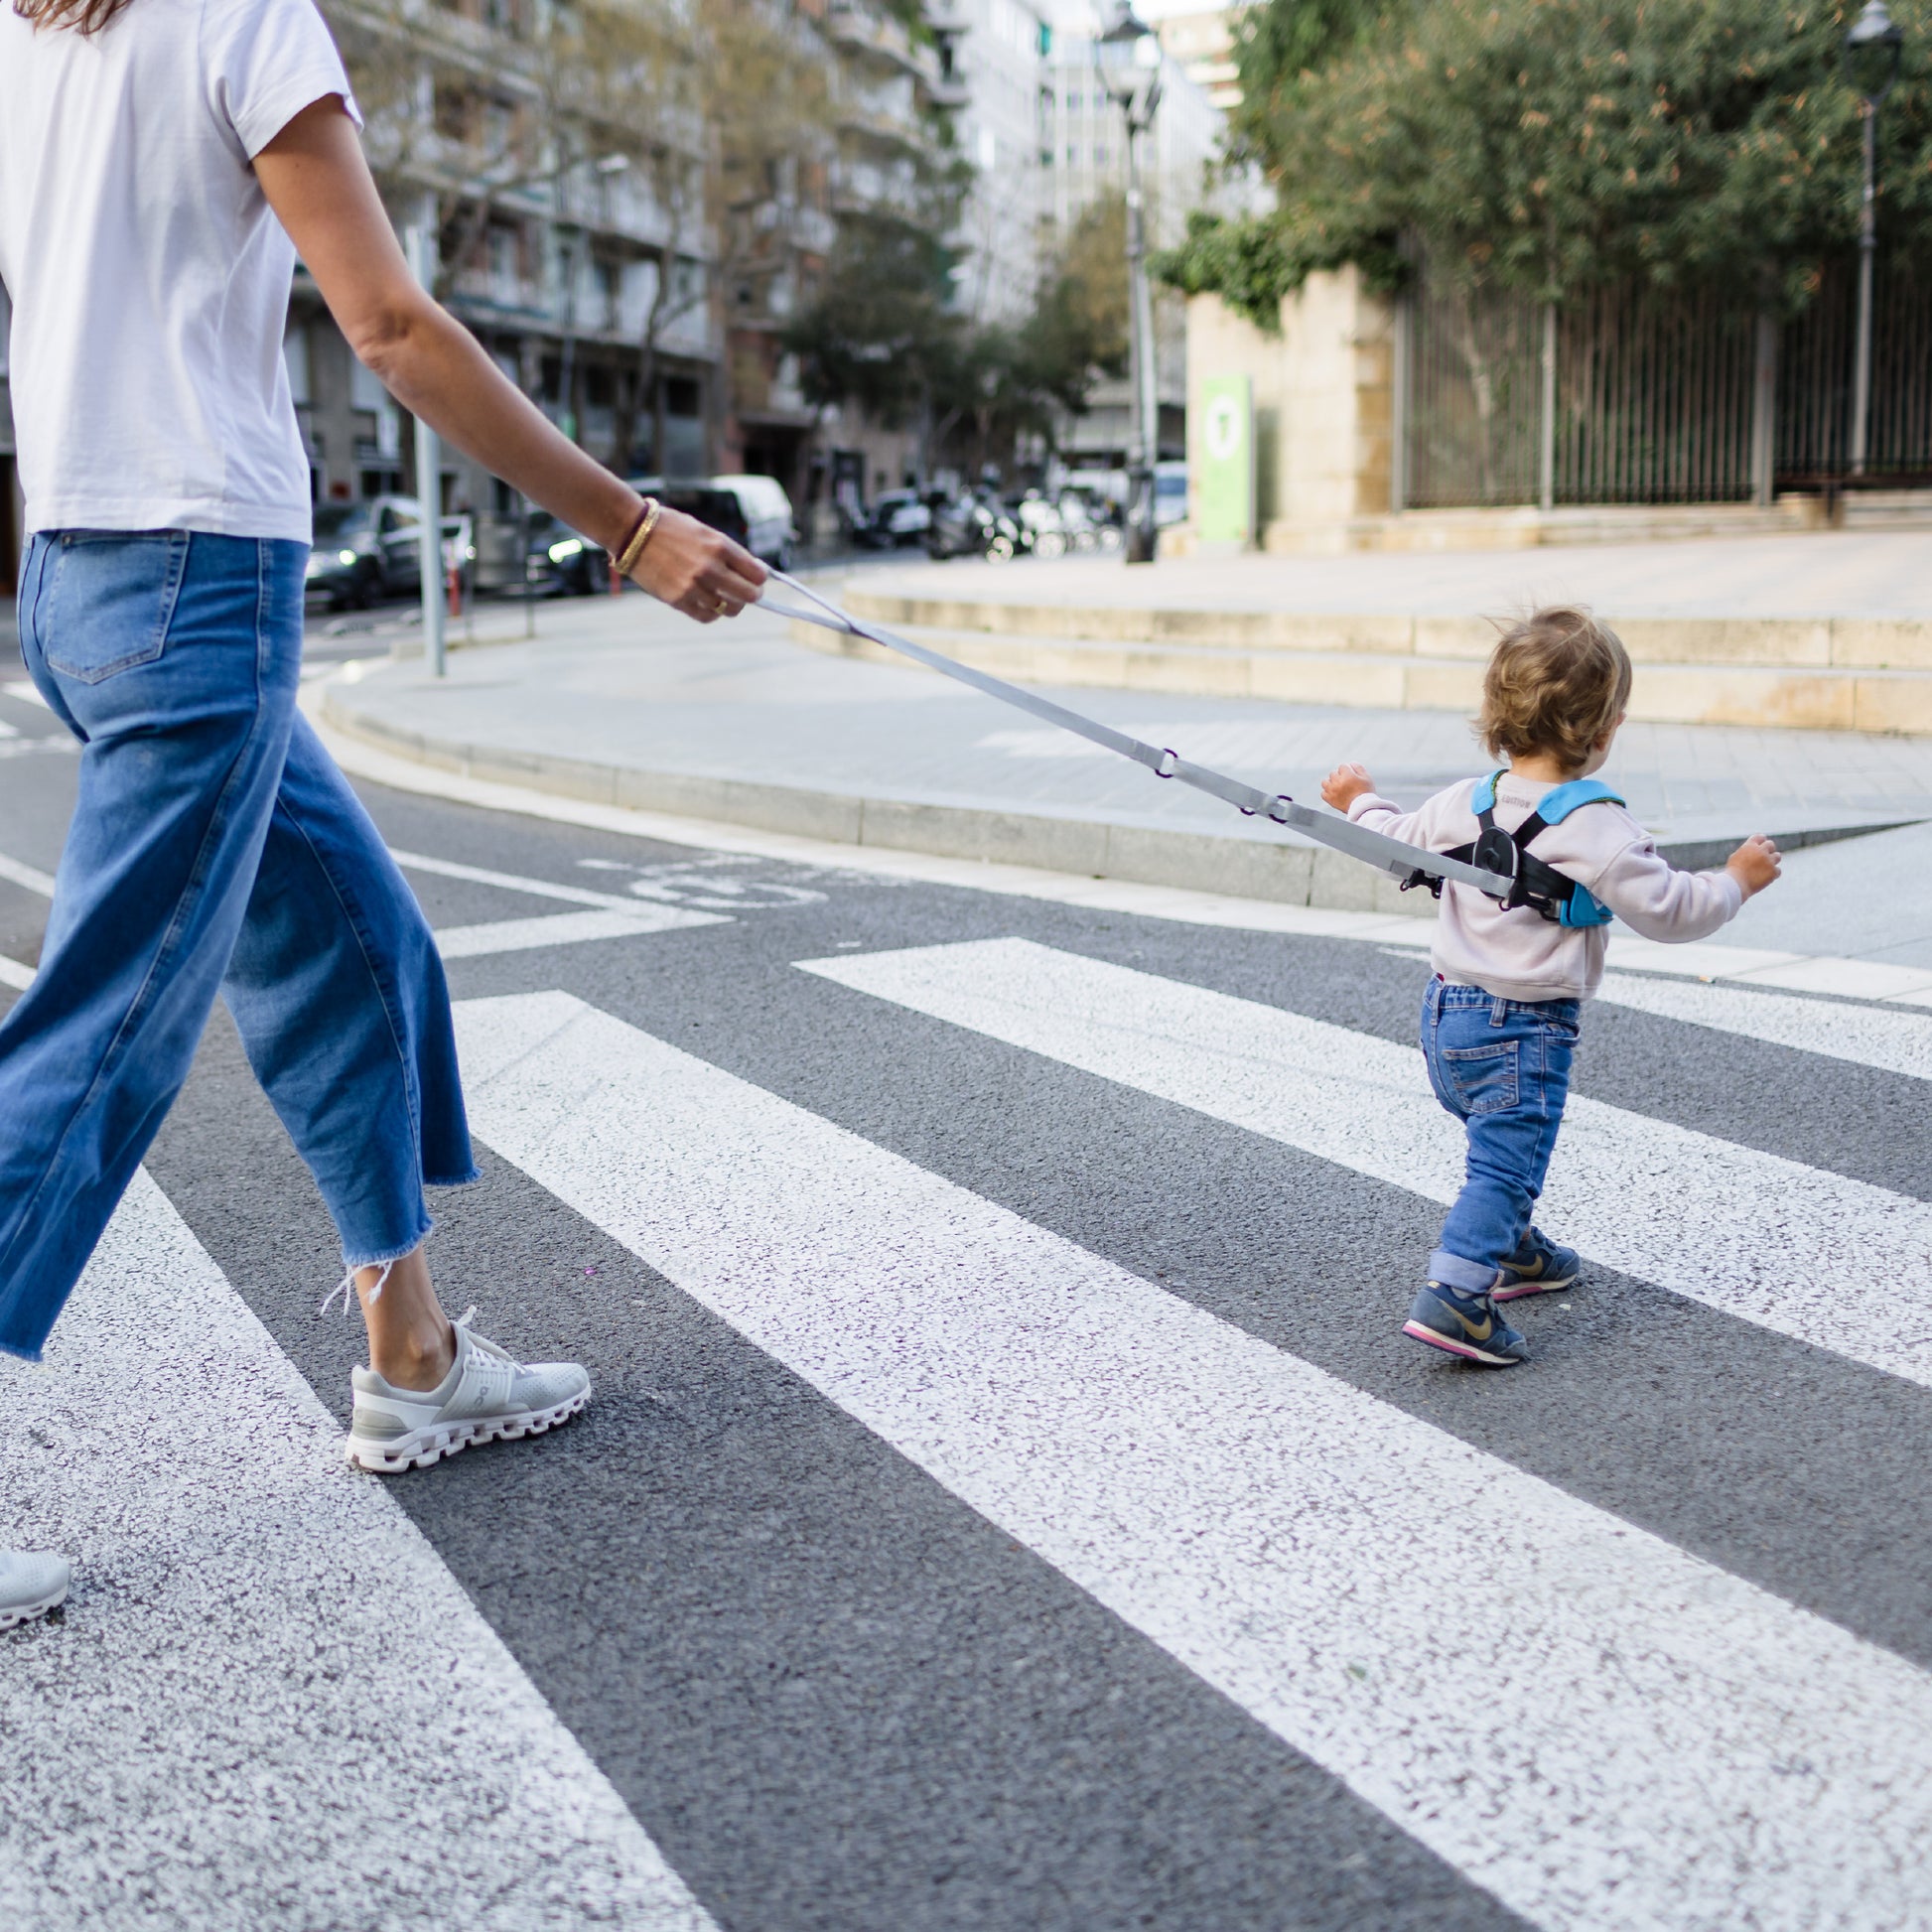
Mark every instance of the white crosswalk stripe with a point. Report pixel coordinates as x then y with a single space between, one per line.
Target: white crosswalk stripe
271 1703
1652 1743
1805 1253
1880 1036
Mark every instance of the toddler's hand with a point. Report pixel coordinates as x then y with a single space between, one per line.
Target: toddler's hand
1755 865
1344 784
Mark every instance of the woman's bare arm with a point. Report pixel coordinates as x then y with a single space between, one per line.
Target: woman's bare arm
319 184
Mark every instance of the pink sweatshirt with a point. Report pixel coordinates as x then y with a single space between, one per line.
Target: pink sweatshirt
1519 954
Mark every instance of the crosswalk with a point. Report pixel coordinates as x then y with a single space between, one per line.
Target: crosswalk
1744 1231
271 1703
1595 1727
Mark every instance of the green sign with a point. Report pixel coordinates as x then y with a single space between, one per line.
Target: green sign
1225 492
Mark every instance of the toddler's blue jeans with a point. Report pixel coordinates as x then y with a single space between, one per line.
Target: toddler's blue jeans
1502 1068
215 848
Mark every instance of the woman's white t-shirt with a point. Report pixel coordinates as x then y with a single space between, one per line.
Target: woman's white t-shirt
149 278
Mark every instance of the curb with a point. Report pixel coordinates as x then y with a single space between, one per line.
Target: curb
1279 871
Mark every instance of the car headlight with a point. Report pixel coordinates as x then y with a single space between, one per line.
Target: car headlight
345 556
563 551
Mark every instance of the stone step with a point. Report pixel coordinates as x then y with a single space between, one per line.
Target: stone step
1791 695
1843 643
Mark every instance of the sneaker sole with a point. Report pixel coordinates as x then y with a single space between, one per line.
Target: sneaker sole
429 1445
26 1612
1521 1289
1466 1351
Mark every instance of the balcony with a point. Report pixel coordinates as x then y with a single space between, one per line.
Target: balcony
860 31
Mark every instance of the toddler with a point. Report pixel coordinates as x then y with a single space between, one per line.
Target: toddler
1499 1016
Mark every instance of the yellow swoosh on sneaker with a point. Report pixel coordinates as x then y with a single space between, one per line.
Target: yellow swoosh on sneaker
1470 1330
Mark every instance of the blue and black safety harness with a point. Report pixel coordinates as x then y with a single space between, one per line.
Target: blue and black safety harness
1497 864
1542 888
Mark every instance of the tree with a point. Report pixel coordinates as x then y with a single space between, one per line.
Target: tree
881 334
1550 146
1079 329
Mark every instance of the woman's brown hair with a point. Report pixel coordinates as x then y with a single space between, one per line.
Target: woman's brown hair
85 16
1557 682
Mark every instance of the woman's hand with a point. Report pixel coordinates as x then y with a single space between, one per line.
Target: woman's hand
696 569
1344 784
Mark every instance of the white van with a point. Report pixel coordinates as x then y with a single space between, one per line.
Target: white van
768 516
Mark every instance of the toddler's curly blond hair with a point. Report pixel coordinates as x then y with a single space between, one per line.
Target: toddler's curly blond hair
1557 682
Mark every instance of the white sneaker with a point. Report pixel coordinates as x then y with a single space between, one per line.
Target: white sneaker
32 1583
485 1398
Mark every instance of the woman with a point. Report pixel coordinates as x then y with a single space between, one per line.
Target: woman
161 162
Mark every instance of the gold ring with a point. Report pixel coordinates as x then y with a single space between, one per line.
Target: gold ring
724 607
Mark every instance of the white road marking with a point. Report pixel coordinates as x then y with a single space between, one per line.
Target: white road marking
16 973
652 917
30 877
1604 1730
557 929
27 691
7 729
1899 1043
270 1702
1759 1237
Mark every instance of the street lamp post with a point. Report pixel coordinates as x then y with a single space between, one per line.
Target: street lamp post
1130 67
1873 49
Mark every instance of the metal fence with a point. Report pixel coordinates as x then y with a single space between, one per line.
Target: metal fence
1641 396
1814 416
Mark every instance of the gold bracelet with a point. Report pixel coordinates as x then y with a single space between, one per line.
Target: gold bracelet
639 536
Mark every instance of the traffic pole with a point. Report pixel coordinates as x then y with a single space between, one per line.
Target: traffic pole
421 247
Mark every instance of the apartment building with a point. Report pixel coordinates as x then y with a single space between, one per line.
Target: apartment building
562 250
1200 42
1085 138
998 52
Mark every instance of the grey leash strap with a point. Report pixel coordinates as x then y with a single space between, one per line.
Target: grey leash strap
1358 841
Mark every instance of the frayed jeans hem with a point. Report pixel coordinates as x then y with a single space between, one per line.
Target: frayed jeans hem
382 1257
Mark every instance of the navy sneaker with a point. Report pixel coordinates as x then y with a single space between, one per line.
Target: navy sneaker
1466 1325
1539 1266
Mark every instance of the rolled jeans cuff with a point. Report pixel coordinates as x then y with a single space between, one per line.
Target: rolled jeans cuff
1471 1277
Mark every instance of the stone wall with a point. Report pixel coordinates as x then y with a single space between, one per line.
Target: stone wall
1324 403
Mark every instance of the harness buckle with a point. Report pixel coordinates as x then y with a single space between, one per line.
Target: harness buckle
1169 763
1275 811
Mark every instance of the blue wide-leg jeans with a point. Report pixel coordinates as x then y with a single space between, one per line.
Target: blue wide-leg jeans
1502 1068
215 848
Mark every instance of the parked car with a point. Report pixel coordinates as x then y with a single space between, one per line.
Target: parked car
721 509
766 509
897 516
561 562
345 565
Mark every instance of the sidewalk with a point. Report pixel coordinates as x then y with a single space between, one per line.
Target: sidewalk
629 705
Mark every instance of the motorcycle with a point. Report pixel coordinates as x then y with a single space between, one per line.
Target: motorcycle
1086 534
972 527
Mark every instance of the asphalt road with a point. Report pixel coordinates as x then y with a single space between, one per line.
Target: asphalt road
1008 1500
